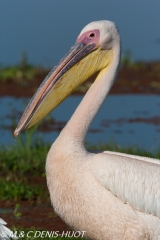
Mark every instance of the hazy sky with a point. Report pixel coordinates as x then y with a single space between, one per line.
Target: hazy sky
46 29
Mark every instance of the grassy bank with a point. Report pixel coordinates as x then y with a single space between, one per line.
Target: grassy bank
26 160
24 71
133 77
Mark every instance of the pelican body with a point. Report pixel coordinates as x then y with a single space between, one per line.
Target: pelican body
5 233
108 195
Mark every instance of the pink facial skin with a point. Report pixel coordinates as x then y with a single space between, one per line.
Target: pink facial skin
91 36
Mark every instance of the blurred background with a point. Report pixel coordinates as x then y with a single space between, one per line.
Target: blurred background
47 29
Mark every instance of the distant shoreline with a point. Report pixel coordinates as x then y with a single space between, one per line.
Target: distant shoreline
133 78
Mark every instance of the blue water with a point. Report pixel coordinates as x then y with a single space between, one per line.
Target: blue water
125 119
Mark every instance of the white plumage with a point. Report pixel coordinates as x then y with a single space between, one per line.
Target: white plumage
109 195
5 233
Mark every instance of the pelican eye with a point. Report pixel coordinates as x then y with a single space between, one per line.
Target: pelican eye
92 35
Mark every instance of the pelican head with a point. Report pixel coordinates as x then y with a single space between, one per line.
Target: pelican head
92 54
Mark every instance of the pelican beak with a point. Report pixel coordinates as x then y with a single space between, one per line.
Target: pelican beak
83 61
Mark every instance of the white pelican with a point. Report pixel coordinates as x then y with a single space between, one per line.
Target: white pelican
5 233
109 195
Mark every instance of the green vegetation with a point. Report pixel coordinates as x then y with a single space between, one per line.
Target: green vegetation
20 72
17 73
16 190
23 72
28 156
18 163
17 212
127 62
27 159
